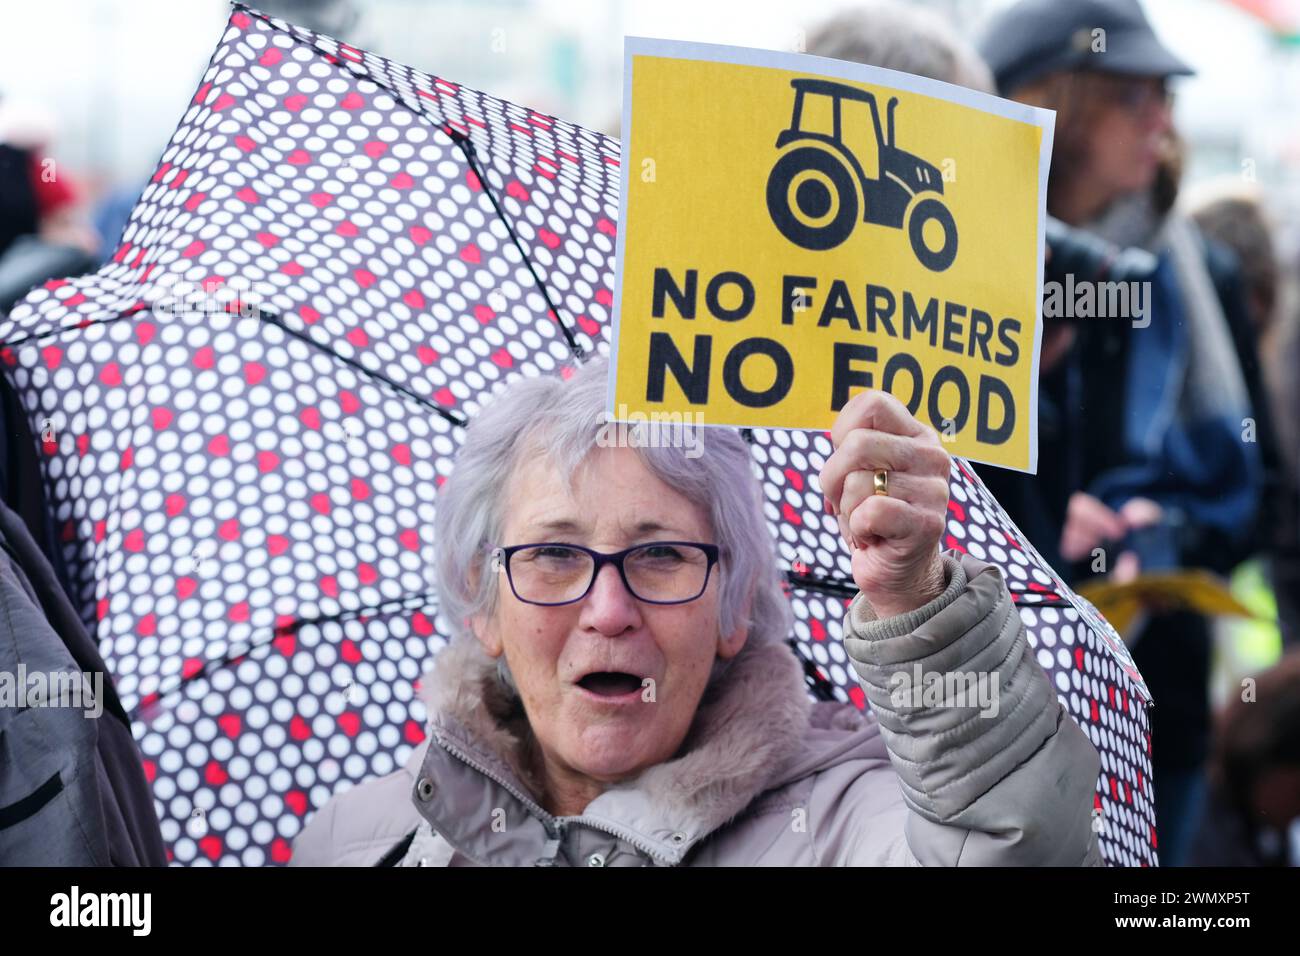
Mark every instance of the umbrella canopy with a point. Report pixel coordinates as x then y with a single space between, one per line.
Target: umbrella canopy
246 416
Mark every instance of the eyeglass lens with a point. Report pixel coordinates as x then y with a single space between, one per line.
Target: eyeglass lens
554 574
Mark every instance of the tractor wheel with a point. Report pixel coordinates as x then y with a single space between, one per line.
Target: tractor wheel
925 211
811 198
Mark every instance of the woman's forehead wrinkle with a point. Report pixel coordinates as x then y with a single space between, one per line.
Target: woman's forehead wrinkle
637 529
629 529
557 526
610 497
536 500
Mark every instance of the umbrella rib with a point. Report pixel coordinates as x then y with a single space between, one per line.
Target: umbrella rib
55 332
1020 597
837 587
454 417
466 146
264 315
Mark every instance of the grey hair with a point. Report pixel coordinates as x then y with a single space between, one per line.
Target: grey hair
896 37
563 420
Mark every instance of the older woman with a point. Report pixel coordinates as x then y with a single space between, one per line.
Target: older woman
618 691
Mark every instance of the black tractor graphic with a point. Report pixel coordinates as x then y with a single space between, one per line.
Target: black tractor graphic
833 169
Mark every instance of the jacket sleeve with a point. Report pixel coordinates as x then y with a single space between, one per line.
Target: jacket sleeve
993 770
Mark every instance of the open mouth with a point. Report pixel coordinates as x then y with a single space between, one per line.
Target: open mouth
610 683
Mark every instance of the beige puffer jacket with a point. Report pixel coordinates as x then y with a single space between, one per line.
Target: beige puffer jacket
766 776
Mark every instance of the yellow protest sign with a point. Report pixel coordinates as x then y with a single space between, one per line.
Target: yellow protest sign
795 229
1192 590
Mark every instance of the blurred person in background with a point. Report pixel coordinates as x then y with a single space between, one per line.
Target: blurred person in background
1144 465
1232 214
893 36
17 198
54 207
45 229
44 234
1252 817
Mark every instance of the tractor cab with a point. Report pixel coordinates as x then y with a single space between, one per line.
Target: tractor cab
843 116
837 161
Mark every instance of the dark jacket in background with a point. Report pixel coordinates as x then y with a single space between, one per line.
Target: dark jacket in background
1092 407
18 215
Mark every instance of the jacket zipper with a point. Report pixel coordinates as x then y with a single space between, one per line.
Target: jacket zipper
555 826
551 823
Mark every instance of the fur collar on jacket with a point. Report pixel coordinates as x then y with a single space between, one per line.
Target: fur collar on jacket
750 723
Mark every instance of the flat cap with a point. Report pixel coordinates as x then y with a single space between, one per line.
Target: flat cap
1032 38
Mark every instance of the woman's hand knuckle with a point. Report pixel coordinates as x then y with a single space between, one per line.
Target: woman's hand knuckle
857 444
937 459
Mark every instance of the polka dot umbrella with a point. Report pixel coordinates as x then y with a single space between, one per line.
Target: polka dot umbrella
246 414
